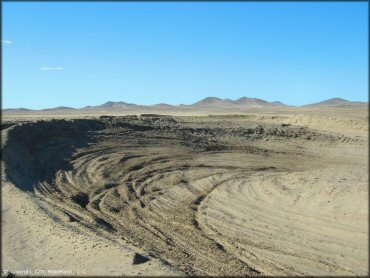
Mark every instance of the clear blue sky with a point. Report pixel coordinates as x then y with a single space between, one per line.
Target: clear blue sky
78 54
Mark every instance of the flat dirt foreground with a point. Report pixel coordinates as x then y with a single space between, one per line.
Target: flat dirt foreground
175 195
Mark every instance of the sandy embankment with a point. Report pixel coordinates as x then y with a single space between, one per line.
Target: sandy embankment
34 242
200 196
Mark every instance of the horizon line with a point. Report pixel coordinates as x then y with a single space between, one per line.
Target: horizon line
181 104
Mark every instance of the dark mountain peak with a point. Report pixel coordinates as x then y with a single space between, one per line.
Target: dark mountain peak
59 108
335 101
109 104
331 102
248 100
279 103
114 104
208 100
243 99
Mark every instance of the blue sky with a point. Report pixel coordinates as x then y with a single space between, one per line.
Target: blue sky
78 54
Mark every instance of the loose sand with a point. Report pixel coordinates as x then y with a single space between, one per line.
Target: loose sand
257 194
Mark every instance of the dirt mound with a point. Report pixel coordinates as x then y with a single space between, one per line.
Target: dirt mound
33 152
327 122
158 181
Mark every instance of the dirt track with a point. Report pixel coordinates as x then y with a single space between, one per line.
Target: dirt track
208 196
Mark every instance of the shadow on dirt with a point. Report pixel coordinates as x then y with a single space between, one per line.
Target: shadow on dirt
34 152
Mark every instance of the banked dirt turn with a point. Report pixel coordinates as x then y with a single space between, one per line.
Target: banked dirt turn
208 196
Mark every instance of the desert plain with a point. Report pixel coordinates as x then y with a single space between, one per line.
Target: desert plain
277 191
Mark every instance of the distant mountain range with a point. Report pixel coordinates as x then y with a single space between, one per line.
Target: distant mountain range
206 103
336 102
244 101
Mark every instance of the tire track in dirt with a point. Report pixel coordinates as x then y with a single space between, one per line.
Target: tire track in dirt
153 182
